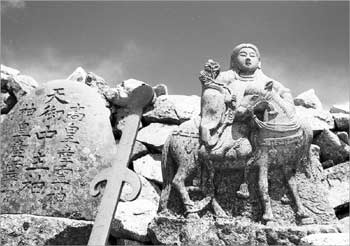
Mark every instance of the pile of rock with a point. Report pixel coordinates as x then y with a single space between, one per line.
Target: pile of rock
331 149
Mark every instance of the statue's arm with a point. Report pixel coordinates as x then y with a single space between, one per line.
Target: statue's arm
284 92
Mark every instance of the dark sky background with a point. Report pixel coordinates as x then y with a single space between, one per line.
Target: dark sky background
304 45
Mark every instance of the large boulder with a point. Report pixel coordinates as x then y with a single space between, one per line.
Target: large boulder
14 85
25 229
173 109
341 121
332 148
318 119
132 218
308 99
340 108
155 135
337 181
149 166
326 239
54 142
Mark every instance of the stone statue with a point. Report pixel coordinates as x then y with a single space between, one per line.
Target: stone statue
226 153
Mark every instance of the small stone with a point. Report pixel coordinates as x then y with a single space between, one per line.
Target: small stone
343 136
308 99
78 75
318 119
341 121
340 108
139 150
155 135
173 109
326 239
149 167
332 148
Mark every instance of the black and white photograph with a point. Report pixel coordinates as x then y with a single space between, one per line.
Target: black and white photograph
174 123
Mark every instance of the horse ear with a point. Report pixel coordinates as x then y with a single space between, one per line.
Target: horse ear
269 86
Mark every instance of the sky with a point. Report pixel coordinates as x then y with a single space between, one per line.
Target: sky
303 44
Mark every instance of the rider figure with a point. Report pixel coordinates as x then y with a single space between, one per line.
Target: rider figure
228 88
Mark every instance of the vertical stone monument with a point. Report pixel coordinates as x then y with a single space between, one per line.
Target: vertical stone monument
54 142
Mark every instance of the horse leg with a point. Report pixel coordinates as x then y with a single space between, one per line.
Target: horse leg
262 163
289 173
179 184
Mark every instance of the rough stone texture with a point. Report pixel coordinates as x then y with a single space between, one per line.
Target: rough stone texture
155 135
340 108
78 75
312 193
25 82
138 151
164 230
319 119
337 181
332 148
173 109
132 218
13 87
24 229
308 99
341 121
344 224
149 167
343 136
54 142
321 239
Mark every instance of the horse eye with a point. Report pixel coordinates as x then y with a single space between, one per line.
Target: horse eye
255 97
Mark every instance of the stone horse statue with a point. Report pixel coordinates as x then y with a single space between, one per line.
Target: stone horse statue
278 138
183 153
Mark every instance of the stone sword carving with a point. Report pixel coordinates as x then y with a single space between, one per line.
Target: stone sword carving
119 172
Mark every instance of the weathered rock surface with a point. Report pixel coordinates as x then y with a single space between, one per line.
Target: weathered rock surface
78 75
54 142
319 119
139 150
24 229
343 136
132 218
164 230
308 99
344 224
173 109
341 108
341 121
14 86
322 239
155 135
332 148
149 166
337 181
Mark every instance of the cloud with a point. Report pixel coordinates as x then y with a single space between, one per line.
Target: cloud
5 5
51 64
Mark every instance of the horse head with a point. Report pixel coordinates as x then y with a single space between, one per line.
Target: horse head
257 103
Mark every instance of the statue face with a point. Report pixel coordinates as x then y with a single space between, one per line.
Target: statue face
247 60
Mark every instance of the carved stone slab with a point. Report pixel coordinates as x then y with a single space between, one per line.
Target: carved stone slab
54 142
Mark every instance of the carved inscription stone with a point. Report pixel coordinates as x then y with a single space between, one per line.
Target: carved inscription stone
53 144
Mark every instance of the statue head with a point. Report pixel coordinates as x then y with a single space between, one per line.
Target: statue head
245 59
